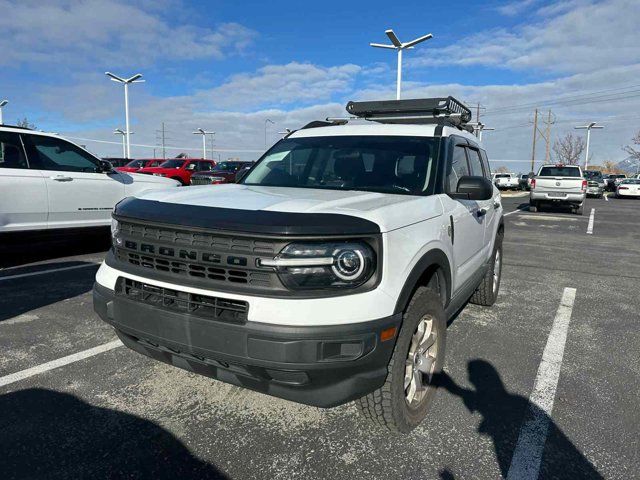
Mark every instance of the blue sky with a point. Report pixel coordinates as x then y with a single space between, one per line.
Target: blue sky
228 66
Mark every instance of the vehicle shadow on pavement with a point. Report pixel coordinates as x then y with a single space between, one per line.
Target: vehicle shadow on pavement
48 434
23 295
27 247
503 414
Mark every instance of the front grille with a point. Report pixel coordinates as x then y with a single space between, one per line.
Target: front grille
200 180
215 308
196 270
201 259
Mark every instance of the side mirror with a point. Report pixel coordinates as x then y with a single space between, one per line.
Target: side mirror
105 166
474 188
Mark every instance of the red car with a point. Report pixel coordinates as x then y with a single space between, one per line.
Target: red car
180 169
135 165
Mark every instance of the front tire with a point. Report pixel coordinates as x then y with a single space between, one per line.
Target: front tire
487 292
403 401
579 210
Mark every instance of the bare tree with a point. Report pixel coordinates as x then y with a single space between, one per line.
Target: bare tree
502 169
25 123
634 153
568 149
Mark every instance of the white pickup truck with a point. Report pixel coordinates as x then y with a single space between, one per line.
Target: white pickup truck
506 180
558 184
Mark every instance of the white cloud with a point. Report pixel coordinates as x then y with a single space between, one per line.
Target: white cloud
281 85
514 8
587 37
66 33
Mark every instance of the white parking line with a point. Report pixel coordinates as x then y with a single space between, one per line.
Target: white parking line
527 456
606 198
591 220
516 211
42 272
60 362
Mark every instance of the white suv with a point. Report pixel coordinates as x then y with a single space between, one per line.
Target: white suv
328 273
47 182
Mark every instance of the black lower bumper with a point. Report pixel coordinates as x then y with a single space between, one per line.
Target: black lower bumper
321 366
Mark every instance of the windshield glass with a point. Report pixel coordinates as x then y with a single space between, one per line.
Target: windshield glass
503 175
226 166
177 163
567 171
403 165
592 174
135 163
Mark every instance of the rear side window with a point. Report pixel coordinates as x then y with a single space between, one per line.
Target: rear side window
485 164
459 168
11 151
559 172
47 153
475 164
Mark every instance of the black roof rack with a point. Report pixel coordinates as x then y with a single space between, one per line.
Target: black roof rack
420 111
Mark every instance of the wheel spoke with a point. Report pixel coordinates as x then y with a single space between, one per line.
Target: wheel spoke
427 365
411 393
428 342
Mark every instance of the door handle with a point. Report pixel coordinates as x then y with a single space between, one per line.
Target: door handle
62 178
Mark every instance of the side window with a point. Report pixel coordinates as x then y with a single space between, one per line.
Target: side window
11 151
458 168
191 166
485 164
475 163
47 153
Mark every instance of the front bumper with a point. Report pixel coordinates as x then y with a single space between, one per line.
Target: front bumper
558 197
321 366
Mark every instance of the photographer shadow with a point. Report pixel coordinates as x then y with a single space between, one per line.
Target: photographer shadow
48 434
502 416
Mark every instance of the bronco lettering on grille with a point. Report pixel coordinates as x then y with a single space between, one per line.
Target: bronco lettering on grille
206 257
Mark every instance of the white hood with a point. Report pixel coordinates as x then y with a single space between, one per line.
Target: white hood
380 208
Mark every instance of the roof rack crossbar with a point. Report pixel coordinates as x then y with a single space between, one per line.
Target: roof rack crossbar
424 110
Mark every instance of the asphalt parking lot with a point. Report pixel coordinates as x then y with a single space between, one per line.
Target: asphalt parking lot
564 333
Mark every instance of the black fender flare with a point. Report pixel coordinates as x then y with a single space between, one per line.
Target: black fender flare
435 257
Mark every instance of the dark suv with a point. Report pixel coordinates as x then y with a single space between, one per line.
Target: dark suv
224 172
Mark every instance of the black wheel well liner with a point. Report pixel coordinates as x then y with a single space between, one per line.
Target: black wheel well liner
434 261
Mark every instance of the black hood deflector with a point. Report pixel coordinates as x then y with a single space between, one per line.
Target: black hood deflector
264 222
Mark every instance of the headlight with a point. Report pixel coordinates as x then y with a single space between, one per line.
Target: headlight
116 239
305 266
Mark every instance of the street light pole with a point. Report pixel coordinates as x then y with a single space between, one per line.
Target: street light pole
200 131
119 131
397 45
265 131
126 81
588 128
2 104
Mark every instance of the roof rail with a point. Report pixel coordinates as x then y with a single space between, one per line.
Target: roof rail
320 123
420 111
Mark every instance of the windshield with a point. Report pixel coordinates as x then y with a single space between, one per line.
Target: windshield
503 175
177 163
226 166
403 165
590 174
135 163
559 172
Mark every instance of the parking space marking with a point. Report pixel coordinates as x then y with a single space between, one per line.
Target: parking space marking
591 220
516 211
606 198
42 272
527 456
60 362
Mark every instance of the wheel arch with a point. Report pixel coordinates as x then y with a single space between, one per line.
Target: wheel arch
434 262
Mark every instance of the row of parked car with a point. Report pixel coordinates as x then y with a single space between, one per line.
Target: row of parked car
187 171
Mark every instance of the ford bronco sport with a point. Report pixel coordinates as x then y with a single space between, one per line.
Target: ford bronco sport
328 272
